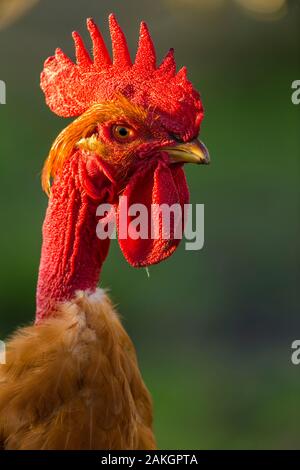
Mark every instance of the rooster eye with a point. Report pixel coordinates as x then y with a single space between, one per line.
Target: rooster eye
122 133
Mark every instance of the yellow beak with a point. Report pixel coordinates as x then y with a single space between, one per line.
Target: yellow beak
189 152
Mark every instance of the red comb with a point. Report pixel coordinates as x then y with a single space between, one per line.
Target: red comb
71 88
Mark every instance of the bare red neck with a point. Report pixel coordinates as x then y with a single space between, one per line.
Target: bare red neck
72 255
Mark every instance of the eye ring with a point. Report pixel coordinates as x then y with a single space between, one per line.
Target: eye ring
122 133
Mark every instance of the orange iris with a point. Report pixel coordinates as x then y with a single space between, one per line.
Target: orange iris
122 133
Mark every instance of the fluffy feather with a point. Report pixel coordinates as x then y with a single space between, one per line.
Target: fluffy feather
73 382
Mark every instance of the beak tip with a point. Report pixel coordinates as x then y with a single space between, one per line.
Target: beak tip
190 152
205 156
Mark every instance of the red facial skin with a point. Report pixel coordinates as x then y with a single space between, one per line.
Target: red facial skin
72 255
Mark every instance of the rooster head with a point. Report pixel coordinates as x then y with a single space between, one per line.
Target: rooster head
136 123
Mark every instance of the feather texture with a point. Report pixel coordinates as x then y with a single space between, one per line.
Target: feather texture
73 382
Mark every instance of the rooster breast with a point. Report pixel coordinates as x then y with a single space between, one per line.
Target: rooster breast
73 382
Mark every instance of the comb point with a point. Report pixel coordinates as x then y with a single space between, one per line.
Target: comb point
146 55
100 52
60 56
82 55
168 65
121 56
181 75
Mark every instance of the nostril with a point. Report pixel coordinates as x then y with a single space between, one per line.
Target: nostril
177 138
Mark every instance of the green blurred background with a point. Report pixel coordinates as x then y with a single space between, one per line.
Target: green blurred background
213 328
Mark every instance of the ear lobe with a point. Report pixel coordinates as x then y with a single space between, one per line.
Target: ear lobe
97 180
155 184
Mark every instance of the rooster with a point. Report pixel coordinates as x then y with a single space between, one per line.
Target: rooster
71 380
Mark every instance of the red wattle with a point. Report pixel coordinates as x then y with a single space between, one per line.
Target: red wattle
155 183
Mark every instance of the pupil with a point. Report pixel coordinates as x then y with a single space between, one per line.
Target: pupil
123 132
